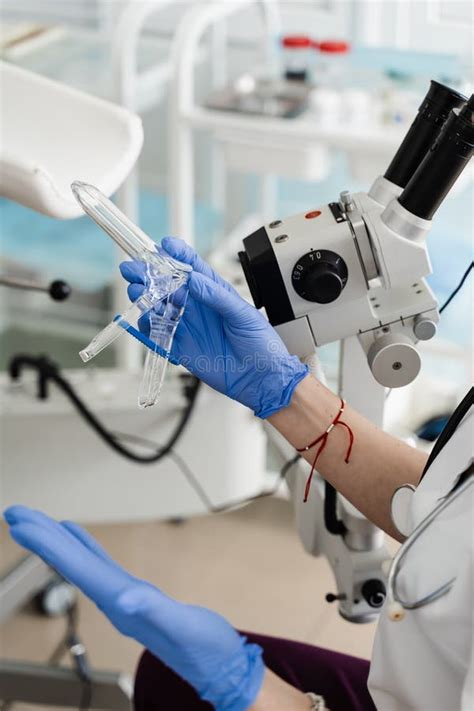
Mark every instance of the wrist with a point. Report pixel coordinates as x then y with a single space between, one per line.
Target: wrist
311 409
240 680
279 385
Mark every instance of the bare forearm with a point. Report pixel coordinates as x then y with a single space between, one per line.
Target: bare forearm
378 465
277 695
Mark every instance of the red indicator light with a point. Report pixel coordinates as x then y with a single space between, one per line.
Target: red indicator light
311 215
296 41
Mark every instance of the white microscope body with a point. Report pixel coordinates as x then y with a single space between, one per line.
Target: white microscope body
379 298
354 271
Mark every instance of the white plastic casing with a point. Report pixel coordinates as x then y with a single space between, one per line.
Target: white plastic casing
391 301
53 134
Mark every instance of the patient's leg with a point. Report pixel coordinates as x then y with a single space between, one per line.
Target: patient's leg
340 678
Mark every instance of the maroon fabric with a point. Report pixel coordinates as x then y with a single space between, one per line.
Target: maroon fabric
341 679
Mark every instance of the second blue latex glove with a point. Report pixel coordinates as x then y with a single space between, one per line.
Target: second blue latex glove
223 340
198 644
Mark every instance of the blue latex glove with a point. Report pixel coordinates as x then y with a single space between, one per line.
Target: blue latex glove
199 645
223 340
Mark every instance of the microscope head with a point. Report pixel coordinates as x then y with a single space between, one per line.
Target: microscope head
357 266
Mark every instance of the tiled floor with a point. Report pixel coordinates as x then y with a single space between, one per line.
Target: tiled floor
248 565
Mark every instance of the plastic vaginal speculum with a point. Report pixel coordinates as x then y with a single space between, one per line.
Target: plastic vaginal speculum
155 315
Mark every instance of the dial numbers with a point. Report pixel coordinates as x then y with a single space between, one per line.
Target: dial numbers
319 276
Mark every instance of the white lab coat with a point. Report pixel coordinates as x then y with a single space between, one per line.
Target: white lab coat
425 661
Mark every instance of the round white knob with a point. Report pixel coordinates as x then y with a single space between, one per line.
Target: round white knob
424 328
394 360
346 201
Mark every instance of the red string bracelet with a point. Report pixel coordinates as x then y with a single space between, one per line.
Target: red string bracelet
322 441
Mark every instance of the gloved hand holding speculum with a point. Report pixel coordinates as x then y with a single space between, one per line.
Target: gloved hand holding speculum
221 338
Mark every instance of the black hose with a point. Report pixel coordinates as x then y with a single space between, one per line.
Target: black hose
333 524
48 371
458 288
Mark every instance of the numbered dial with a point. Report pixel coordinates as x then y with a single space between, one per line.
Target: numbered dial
319 276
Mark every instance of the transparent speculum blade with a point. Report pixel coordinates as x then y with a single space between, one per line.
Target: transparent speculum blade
129 237
103 339
163 327
106 214
153 377
116 327
162 302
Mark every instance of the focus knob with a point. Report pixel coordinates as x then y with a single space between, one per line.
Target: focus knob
394 360
319 276
373 591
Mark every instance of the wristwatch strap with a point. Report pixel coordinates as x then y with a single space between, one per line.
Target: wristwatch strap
317 701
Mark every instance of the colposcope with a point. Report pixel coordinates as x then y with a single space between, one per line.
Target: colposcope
355 271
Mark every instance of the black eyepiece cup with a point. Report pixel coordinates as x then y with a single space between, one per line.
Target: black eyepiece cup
442 165
432 114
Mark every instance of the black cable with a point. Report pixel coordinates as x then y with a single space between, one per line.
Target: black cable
457 289
333 524
49 371
288 465
108 438
454 421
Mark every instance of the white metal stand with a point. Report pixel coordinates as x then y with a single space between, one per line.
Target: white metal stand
182 108
358 555
357 385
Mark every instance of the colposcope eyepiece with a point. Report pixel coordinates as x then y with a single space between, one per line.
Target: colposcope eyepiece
432 114
442 165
